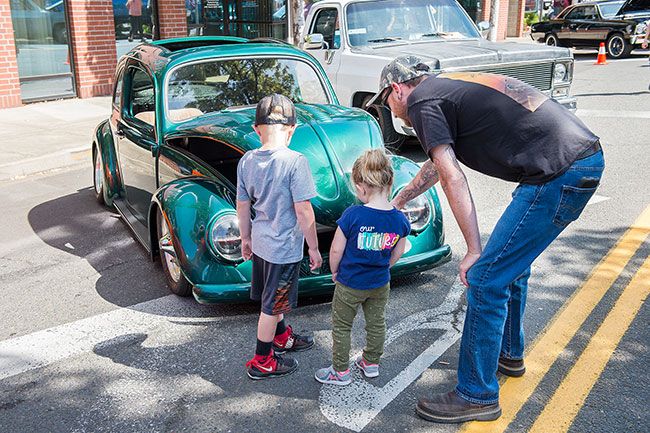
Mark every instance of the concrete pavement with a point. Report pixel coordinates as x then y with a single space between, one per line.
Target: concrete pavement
48 136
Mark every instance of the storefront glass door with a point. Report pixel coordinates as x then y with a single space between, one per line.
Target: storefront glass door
42 49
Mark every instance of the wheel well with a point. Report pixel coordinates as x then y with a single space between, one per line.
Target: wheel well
614 32
358 98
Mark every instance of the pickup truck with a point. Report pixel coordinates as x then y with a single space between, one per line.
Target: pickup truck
354 39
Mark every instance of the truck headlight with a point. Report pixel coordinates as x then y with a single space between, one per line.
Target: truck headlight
560 73
418 212
224 237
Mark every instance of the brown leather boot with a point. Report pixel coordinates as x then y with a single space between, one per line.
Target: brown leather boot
451 408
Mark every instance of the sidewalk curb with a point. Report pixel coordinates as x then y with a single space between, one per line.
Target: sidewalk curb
76 156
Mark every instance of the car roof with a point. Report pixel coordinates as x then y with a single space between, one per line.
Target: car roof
160 56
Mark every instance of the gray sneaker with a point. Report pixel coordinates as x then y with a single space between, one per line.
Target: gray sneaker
330 376
369 370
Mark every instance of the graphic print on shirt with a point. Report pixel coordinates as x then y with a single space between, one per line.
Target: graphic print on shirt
368 241
520 92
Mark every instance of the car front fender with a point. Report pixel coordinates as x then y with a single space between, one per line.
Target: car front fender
105 145
189 205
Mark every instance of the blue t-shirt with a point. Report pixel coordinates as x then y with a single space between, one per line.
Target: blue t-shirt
372 234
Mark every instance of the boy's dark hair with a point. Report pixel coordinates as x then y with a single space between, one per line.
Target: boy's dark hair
275 109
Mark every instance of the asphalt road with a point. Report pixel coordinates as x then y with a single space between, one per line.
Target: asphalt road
91 340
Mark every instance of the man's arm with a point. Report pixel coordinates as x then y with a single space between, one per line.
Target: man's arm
244 218
307 223
425 179
646 40
454 184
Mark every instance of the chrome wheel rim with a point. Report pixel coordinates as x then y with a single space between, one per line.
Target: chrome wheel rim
166 246
551 41
615 46
98 175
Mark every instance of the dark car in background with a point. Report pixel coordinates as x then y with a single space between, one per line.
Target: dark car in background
620 24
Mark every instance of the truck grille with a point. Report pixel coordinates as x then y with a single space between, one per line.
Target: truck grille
536 74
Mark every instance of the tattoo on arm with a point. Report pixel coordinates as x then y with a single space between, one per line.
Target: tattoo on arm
425 179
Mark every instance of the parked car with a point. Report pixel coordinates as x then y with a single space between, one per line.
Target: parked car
620 24
181 119
354 39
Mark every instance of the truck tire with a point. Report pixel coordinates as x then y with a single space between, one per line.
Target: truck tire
393 140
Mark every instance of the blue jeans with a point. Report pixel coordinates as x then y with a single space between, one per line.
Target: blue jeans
498 281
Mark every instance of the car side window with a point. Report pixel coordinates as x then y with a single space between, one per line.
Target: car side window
327 24
589 13
576 14
117 90
141 103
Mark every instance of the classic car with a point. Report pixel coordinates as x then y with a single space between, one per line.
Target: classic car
354 39
181 119
620 24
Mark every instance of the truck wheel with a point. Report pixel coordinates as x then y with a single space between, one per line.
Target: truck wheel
552 40
176 281
392 139
618 47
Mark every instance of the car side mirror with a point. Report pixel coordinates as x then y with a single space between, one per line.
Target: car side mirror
314 41
484 27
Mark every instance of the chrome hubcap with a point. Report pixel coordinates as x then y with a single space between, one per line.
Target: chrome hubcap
551 41
98 175
615 47
166 246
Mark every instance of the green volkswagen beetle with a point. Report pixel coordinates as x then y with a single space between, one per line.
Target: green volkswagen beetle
181 119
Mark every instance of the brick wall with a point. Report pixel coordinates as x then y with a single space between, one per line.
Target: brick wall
515 18
92 34
9 83
173 19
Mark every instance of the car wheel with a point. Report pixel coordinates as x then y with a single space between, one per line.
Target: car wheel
98 177
617 46
60 34
176 281
552 40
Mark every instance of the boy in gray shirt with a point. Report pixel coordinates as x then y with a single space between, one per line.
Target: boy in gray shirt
277 183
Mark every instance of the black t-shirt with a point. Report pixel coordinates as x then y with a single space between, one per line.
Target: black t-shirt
498 126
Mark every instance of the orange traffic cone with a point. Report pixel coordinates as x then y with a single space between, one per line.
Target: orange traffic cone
602 56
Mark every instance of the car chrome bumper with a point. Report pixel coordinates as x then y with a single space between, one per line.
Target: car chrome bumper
570 103
319 283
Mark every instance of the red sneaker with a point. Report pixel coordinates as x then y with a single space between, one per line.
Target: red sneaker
289 341
270 366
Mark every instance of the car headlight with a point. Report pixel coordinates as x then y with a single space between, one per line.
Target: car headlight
640 28
418 212
224 237
560 73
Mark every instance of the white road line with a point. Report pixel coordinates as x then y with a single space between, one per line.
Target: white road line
613 62
597 199
613 114
355 405
21 354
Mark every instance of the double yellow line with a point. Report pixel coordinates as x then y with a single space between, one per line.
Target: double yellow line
562 408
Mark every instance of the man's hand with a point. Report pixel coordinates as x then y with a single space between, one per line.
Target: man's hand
644 45
246 250
315 260
465 265
334 275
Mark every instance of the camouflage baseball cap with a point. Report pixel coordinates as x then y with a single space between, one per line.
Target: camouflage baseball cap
400 70
275 109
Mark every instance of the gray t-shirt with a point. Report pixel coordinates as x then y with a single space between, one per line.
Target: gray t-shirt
273 180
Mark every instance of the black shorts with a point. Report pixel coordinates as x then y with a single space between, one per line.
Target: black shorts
276 285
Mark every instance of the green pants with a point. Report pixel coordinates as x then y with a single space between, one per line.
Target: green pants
344 308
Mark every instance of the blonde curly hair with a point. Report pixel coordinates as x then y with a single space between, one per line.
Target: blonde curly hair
373 168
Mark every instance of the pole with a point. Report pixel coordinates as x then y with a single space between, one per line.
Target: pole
494 20
295 22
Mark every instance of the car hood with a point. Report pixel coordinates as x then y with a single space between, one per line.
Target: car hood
443 54
331 137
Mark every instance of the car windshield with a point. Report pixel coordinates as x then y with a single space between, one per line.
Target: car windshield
392 20
213 86
608 10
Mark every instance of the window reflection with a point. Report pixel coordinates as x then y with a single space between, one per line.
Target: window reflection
215 86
